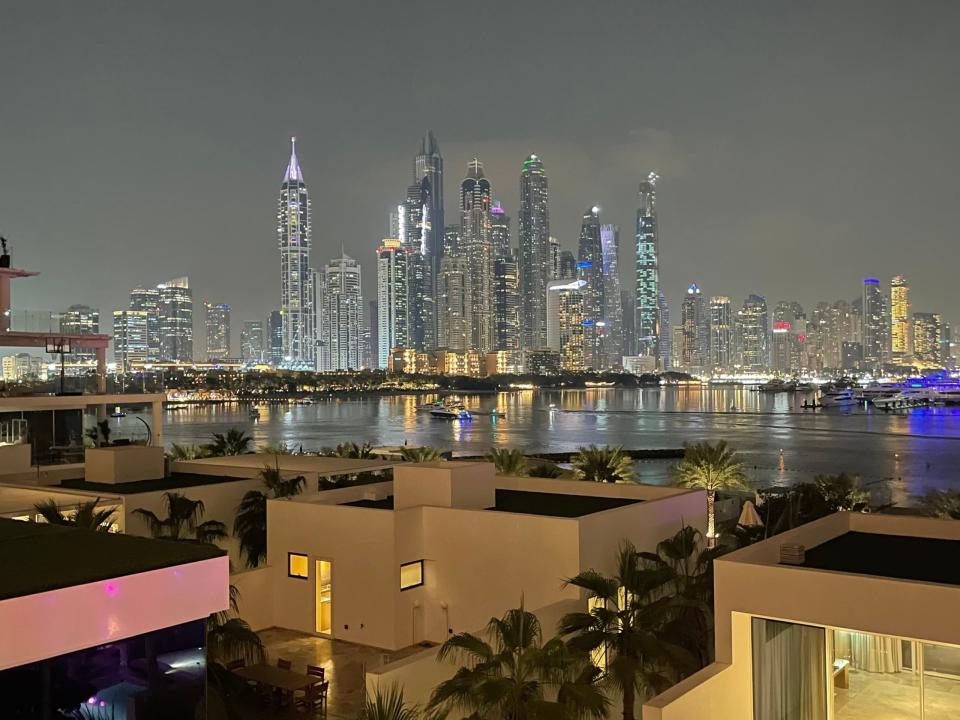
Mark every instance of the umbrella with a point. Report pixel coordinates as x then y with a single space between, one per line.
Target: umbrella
749 516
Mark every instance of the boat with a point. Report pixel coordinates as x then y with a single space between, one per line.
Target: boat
949 396
118 413
839 397
907 397
451 412
438 405
776 385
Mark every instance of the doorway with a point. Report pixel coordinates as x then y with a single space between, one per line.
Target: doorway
324 577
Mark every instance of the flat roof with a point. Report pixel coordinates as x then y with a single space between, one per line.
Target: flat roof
176 481
34 403
37 557
382 504
318 464
555 504
22 498
903 557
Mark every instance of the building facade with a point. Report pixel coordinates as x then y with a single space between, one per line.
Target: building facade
721 332
252 342
148 300
565 322
176 321
217 325
928 338
131 350
391 298
647 292
341 316
535 256
753 335
901 336
874 324
590 270
695 321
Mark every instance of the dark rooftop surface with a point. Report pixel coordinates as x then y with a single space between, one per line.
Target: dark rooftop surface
384 504
893 556
176 481
37 557
555 504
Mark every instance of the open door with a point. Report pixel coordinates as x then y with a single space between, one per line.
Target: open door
324 577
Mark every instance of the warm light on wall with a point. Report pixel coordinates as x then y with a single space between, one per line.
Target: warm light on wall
411 575
298 566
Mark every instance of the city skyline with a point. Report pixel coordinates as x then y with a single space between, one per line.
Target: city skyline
733 200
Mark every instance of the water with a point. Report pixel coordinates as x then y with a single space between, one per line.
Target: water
905 451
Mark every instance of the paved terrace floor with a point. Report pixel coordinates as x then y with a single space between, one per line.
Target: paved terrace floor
345 664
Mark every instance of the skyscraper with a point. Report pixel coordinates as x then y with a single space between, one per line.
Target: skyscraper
453 295
928 340
80 320
274 348
415 234
341 315
506 286
556 258
148 300
590 269
721 332
130 347
476 248
296 277
391 299
900 335
217 324
752 333
428 165
695 321
612 308
874 325
536 268
252 342
648 320
566 265
176 320
500 230
665 338
565 322
372 318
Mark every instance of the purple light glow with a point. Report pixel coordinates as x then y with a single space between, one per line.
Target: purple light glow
110 589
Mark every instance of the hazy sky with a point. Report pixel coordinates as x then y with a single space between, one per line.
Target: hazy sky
801 146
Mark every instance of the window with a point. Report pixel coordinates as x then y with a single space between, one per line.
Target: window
298 566
789 671
411 575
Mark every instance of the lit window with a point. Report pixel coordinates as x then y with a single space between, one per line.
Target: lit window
297 566
411 575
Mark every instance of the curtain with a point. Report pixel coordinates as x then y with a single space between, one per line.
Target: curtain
789 671
865 651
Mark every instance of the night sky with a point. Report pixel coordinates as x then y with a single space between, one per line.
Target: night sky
801 146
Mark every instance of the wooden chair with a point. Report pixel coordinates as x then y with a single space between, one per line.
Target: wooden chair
315 697
316 671
236 664
284 664
283 697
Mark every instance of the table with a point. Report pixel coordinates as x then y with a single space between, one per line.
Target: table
275 677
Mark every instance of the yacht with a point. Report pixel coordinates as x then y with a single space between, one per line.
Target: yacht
949 396
839 397
451 412
907 397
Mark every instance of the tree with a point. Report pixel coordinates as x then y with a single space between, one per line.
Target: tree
606 464
388 704
230 638
841 492
512 676
508 461
100 433
234 442
183 516
86 516
278 449
351 450
544 469
712 468
624 628
186 452
250 522
941 503
420 454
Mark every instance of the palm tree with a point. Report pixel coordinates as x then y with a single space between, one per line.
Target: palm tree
941 503
624 628
511 677
186 452
353 450
234 442
508 461
183 516
712 468
388 704
544 469
420 454
229 637
86 516
250 523
606 464
278 449
841 492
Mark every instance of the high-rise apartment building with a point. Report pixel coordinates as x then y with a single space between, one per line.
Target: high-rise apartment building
648 321
148 300
628 312
372 318
130 339
535 251
612 308
874 324
80 320
928 340
901 336
415 235
590 270
391 299
665 338
721 332
217 325
341 315
500 230
428 174
296 277
565 322
176 320
453 295
252 342
274 345
506 286
556 258
753 334
476 248
695 321
566 266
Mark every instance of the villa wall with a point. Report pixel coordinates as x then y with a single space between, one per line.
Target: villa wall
256 595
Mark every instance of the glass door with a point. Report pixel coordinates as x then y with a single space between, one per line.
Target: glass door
324 577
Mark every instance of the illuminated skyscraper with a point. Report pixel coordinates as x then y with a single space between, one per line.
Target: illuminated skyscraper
428 166
874 324
665 338
721 332
648 321
251 342
148 300
590 270
80 320
453 295
565 322
274 347
500 230
341 315
476 248
506 286
612 307
753 335
391 299
695 321
296 277
130 348
176 321
217 324
566 265
900 334
928 335
415 235
536 261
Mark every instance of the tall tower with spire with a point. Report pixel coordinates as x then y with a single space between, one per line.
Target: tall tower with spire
536 268
476 249
296 278
647 320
